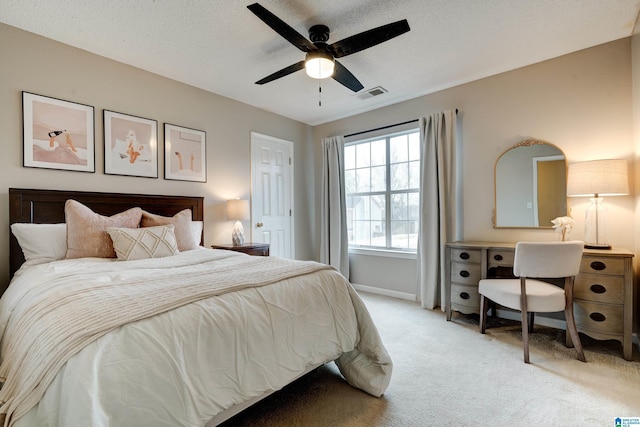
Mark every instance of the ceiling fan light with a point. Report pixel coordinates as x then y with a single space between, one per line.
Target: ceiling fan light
319 65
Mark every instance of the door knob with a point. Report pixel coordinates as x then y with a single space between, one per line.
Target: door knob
259 224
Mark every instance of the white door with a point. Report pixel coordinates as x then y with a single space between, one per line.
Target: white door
271 193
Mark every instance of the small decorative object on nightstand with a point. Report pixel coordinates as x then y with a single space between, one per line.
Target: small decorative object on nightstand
258 249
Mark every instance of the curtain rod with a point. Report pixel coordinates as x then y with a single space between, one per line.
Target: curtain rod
381 128
384 127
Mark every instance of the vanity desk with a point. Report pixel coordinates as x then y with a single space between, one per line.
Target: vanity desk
603 292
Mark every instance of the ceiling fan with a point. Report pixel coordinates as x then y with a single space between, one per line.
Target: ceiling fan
320 61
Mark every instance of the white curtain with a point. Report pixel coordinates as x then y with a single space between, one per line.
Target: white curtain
440 195
334 243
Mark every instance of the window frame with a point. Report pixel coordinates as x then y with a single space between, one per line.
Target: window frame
387 193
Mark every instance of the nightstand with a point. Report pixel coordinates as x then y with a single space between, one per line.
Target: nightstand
258 249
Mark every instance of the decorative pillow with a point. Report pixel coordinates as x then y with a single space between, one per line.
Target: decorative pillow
41 243
182 223
196 231
141 243
87 231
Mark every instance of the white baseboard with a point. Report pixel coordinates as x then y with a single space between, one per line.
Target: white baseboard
385 292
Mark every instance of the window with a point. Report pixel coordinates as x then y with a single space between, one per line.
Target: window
382 182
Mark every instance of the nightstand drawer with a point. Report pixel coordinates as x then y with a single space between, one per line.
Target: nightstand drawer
467 274
599 288
596 317
465 295
472 256
602 265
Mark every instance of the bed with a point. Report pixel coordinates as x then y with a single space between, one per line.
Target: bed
188 339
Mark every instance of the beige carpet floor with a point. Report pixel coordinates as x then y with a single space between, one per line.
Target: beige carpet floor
448 374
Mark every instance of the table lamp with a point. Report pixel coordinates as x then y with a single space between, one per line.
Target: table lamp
239 210
597 178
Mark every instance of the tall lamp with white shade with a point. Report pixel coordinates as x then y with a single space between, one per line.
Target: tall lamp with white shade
238 210
597 178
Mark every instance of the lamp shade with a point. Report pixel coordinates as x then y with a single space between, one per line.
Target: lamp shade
238 209
319 64
601 177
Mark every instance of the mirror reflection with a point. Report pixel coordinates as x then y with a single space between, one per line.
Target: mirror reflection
530 185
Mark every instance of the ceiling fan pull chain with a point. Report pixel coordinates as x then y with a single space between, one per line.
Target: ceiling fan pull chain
319 93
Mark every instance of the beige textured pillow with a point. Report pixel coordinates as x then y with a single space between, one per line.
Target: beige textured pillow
182 223
142 243
87 231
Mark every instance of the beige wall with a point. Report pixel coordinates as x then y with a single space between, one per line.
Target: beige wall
580 102
38 65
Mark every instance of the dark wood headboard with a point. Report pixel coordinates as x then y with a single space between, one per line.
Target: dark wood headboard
47 207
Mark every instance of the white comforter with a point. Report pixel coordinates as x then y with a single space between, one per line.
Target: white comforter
183 366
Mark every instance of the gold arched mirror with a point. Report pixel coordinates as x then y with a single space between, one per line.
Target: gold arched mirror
530 186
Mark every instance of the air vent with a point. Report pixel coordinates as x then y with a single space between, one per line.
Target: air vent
370 93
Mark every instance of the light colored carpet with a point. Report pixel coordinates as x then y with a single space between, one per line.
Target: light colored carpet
448 374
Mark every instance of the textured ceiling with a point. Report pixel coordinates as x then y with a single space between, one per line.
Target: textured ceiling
220 46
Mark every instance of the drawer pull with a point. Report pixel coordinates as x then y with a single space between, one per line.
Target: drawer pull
598 289
497 257
464 295
597 317
598 265
464 255
464 273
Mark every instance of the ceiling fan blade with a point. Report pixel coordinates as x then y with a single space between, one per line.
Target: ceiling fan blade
345 78
282 28
284 72
368 38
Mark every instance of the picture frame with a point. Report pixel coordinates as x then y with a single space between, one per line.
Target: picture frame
184 154
57 134
130 145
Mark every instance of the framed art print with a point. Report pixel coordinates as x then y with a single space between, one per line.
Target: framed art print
130 145
57 134
184 154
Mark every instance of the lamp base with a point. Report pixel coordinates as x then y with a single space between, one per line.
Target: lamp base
597 246
237 236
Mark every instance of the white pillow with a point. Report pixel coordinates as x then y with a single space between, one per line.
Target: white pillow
41 243
142 243
196 230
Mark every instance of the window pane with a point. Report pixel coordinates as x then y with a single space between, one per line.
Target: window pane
413 208
399 149
378 208
414 146
379 178
361 233
379 152
350 181
399 176
378 234
349 157
398 207
363 180
363 155
414 175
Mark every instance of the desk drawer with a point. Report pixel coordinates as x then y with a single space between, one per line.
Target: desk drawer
602 265
599 288
501 257
463 273
596 317
465 295
473 256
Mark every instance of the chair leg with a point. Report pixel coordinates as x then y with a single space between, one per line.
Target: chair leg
571 322
525 318
483 314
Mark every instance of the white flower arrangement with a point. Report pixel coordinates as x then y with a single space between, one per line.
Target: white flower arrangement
563 225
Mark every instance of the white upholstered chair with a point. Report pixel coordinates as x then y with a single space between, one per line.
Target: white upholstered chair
537 260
